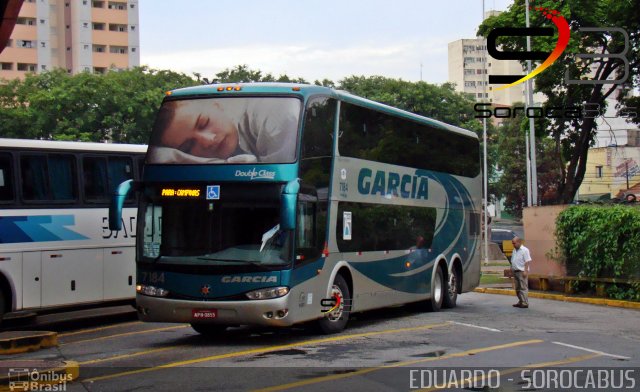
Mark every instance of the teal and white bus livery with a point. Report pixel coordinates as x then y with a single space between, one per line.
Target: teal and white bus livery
276 204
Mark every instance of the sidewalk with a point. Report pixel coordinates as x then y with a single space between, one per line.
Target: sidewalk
495 271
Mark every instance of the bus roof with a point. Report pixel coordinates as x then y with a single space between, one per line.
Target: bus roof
305 90
71 146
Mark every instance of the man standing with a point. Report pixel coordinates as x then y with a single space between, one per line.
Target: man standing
520 259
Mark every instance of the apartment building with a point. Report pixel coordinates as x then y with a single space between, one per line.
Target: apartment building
76 35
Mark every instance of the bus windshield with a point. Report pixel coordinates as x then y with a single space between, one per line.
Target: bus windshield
226 130
237 231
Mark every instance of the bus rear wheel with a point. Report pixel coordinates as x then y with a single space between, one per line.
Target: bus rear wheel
437 291
336 320
209 330
451 294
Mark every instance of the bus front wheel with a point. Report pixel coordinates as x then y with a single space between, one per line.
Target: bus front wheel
335 319
437 291
209 330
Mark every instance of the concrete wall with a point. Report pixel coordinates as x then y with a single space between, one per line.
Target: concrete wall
539 228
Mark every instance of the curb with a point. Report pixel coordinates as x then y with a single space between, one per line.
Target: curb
15 342
558 297
49 375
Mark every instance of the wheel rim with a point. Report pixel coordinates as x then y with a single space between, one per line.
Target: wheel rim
453 283
437 289
336 314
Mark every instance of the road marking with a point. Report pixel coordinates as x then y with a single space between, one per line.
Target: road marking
476 326
97 329
267 349
135 354
333 377
592 351
125 334
470 382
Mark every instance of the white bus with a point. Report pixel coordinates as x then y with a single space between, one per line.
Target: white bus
56 248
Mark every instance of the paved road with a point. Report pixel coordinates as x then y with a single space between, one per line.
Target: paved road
390 349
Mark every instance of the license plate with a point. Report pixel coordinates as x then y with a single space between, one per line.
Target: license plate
205 314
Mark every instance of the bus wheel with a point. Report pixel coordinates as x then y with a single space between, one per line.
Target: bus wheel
209 330
437 291
451 294
336 320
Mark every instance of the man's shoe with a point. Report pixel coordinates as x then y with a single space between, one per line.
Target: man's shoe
518 305
523 306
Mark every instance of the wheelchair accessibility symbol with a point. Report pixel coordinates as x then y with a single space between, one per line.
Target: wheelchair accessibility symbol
213 192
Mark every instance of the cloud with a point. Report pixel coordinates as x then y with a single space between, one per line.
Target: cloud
398 60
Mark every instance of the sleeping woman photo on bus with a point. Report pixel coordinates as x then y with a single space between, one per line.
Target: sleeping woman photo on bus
225 130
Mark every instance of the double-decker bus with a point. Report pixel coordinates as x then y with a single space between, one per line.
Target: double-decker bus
276 204
56 249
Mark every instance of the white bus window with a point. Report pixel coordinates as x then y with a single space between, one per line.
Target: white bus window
96 181
6 178
48 177
120 170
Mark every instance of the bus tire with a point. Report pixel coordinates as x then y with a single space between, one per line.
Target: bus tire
209 330
451 293
336 321
3 307
437 291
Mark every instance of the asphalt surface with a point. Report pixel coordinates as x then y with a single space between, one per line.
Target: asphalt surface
402 348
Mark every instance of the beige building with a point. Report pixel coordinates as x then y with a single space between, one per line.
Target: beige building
77 35
610 169
466 70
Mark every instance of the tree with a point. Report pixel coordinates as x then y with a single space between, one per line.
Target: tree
511 160
573 136
244 74
118 106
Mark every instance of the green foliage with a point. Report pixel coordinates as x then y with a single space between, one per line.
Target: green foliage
117 106
511 160
602 241
573 137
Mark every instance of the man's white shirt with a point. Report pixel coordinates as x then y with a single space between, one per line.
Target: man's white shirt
519 257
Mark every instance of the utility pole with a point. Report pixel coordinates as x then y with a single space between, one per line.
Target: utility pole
532 132
485 178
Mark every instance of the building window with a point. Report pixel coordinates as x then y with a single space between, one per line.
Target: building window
27 67
9 43
118 49
99 48
85 24
468 71
133 49
133 28
117 27
6 66
68 48
99 70
99 26
24 44
115 5
26 21
42 21
43 67
469 60
598 171
98 4
43 44
133 6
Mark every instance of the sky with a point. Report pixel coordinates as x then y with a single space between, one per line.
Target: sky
308 38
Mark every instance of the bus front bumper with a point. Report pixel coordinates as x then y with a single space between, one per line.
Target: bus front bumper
268 312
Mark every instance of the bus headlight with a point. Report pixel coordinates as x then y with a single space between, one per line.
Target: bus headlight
151 291
272 292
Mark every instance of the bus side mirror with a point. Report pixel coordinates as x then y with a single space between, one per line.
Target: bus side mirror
288 200
117 202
